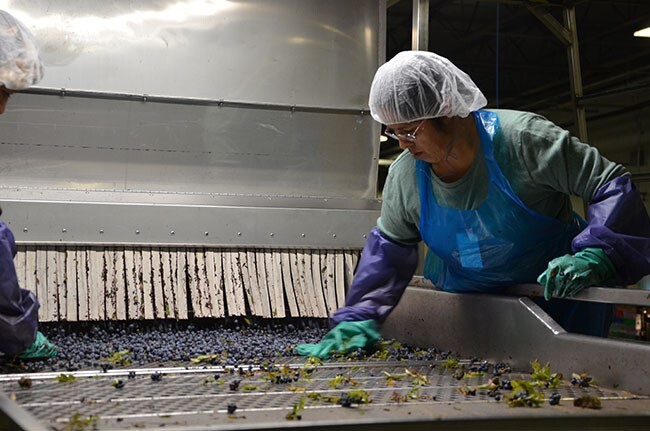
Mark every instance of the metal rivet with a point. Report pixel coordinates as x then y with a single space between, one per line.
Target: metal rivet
206 233
64 230
271 234
137 232
334 235
238 233
172 232
302 235
365 236
24 229
101 230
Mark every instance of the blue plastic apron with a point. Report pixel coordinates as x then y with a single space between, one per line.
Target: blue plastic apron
501 243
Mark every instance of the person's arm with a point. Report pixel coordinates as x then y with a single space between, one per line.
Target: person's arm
18 307
390 255
616 241
384 271
385 268
620 226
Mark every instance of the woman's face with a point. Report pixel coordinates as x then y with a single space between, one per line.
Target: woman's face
423 139
4 97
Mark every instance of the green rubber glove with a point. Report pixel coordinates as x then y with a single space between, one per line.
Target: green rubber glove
569 274
41 348
343 338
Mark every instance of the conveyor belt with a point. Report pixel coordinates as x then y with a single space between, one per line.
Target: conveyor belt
190 398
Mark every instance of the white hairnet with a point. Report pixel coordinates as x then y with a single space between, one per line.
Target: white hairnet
20 65
415 85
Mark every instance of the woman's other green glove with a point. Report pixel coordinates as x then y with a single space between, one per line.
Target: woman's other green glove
343 338
569 274
41 348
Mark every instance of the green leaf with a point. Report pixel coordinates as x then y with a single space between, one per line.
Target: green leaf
77 422
297 408
417 379
524 394
211 359
543 377
123 357
450 364
65 378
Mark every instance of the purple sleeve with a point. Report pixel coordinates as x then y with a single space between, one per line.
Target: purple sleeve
619 224
384 271
18 307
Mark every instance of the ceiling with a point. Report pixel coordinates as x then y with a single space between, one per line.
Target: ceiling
520 64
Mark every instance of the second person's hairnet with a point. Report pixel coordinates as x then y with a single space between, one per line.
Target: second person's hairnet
20 65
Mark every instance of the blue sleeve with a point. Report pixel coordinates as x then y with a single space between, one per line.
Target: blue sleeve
619 224
384 271
18 307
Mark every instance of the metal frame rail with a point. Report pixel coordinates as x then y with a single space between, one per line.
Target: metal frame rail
515 329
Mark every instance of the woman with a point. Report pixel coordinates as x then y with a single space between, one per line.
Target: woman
20 67
489 194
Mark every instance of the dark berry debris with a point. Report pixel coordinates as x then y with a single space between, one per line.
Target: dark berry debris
554 399
25 382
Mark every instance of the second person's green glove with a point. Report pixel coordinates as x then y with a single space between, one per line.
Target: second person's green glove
41 348
343 338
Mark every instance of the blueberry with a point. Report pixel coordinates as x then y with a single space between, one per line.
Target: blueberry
156 376
231 408
554 399
344 400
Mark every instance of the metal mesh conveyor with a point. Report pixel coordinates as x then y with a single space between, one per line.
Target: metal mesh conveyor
423 393
191 398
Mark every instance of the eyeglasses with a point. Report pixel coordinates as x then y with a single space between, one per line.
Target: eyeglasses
5 90
408 137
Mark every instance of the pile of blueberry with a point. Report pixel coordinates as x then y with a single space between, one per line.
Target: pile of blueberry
478 366
87 345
